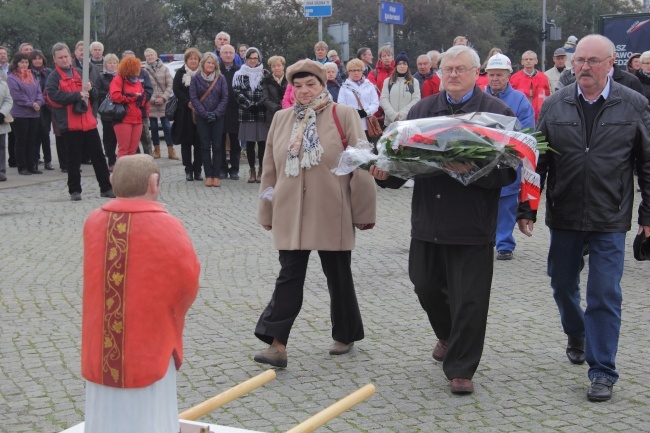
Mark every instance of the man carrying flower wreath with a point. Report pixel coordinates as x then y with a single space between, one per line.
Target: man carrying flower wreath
453 228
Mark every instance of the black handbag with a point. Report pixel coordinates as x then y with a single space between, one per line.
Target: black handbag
110 111
170 107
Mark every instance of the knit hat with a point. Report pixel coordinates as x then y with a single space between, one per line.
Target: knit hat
499 61
401 57
252 50
309 66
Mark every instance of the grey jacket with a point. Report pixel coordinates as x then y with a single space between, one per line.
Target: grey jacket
590 185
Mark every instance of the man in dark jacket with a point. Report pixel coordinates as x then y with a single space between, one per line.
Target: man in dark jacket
601 130
78 129
453 229
228 68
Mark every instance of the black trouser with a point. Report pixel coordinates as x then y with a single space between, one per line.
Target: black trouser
11 143
75 142
61 152
278 317
250 153
453 285
26 133
43 140
235 154
110 141
186 150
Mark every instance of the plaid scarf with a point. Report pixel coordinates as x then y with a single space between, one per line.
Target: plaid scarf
305 135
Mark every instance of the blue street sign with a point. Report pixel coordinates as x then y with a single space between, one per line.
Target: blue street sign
391 13
318 8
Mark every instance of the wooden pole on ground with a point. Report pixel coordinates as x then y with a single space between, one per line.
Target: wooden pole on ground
227 396
334 410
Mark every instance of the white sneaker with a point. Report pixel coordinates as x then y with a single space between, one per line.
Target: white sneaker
409 183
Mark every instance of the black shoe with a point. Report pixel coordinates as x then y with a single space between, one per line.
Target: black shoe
223 175
25 172
504 255
75 196
197 176
3 177
12 163
575 350
64 170
234 176
108 194
189 177
600 389
35 171
87 162
48 166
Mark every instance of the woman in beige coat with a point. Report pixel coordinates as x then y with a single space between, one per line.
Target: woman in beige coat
309 208
162 82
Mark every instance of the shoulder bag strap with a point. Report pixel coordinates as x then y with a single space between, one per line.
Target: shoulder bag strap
338 126
207 92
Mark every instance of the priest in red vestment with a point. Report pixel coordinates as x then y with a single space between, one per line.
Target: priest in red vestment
141 275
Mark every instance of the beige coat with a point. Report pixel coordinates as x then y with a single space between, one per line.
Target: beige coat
315 210
162 82
6 102
399 100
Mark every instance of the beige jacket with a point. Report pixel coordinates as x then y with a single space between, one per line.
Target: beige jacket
6 102
399 100
162 82
315 210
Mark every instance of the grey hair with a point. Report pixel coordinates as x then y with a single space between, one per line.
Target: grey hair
97 44
644 56
222 33
331 65
60 46
457 50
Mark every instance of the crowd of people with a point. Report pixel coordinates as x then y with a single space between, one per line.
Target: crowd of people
294 121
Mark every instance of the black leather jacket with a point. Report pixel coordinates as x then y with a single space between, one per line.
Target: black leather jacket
590 186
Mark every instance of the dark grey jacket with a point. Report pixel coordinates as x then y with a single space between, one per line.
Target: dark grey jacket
590 186
444 210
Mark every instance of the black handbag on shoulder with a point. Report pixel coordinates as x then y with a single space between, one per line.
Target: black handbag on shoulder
110 111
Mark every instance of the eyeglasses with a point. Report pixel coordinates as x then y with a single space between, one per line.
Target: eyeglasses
355 70
461 70
578 61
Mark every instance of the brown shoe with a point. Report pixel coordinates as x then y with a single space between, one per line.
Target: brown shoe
272 356
171 154
216 182
208 181
259 176
252 178
338 348
156 152
440 351
459 385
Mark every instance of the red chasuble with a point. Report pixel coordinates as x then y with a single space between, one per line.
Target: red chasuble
141 275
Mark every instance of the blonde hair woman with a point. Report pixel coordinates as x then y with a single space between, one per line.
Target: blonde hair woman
162 82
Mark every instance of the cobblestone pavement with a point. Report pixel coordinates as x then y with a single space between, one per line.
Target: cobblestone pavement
524 382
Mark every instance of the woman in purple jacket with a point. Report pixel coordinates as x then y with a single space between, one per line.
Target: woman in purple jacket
209 96
28 100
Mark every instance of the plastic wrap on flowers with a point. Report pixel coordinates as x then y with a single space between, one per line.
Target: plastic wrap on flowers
466 147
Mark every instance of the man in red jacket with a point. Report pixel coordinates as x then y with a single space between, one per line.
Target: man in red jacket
76 122
134 308
533 83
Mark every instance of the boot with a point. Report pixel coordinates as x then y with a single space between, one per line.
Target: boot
156 151
252 178
259 176
171 154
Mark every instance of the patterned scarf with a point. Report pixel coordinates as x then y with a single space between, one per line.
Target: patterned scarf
25 75
254 75
305 135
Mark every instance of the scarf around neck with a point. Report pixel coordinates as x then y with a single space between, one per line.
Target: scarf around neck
187 78
304 135
254 75
208 78
25 75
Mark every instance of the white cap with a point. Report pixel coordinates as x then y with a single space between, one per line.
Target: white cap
572 40
499 61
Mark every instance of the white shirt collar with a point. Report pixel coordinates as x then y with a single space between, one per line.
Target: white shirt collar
604 93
